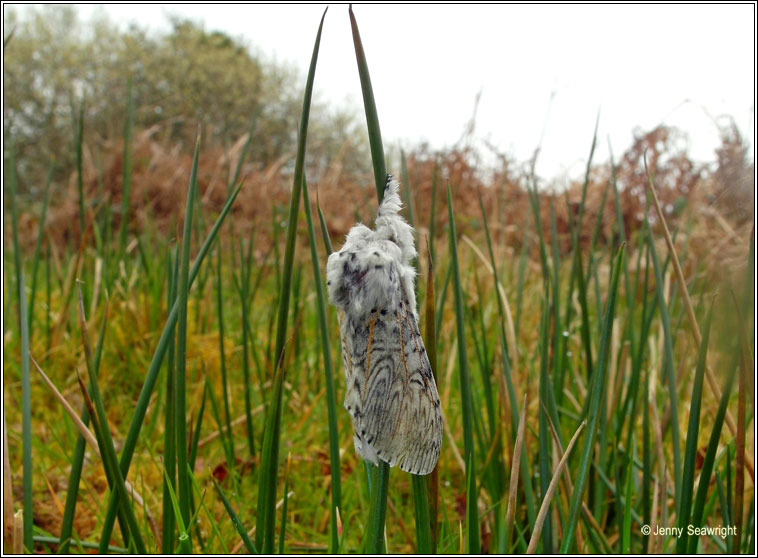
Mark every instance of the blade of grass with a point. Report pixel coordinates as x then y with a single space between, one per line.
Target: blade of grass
270 451
324 229
249 545
245 150
408 196
8 504
544 436
184 546
513 486
283 528
243 290
668 369
169 435
432 212
198 425
595 395
78 140
372 118
421 512
126 170
38 245
246 300
222 351
690 450
594 530
647 478
626 531
430 342
222 432
14 224
26 417
708 461
43 539
545 507
209 515
380 482
331 398
472 519
180 378
739 474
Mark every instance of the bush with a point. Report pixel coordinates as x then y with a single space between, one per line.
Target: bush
54 63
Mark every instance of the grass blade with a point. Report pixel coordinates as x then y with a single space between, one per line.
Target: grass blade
690 450
513 485
222 351
180 377
380 476
421 511
270 451
708 461
127 170
169 435
331 398
430 342
595 395
235 520
14 224
549 494
372 118
26 416
38 246
472 519
198 426
184 546
408 196
668 369
739 477
283 527
78 140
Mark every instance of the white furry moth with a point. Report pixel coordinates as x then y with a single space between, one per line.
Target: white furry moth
391 394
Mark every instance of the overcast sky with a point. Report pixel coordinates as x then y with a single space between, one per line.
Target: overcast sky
544 71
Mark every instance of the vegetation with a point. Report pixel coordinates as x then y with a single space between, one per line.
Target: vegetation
181 80
170 375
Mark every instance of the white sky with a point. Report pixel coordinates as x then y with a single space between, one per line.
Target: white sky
639 65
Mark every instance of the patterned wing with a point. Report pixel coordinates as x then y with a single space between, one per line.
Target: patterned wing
391 395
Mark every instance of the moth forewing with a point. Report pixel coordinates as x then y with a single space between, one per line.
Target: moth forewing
391 394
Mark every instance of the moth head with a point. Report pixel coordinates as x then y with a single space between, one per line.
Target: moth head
358 236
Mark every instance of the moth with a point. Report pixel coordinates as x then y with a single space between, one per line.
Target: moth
391 393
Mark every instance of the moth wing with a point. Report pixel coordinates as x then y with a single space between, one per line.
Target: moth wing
354 345
422 414
395 406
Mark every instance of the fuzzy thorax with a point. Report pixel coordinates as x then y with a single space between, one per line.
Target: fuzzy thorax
364 273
